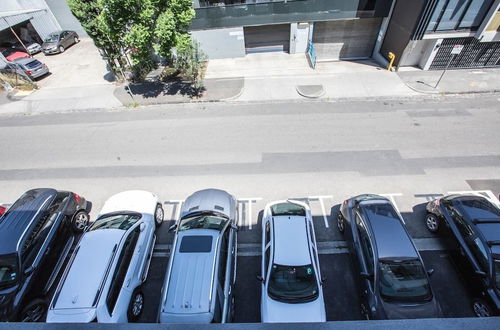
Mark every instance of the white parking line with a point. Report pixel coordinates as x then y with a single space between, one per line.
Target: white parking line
322 204
248 202
176 211
393 200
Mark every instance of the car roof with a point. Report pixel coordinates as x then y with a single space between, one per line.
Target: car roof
19 216
25 60
291 243
190 283
391 238
210 200
88 268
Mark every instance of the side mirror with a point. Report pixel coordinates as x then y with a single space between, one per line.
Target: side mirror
365 275
323 279
430 271
28 271
259 278
173 227
234 227
142 226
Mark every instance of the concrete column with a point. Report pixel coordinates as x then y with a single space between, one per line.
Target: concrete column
380 38
431 53
293 38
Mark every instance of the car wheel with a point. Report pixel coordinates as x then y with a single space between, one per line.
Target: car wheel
61 49
364 312
136 305
481 308
76 40
341 222
80 221
159 215
35 311
432 222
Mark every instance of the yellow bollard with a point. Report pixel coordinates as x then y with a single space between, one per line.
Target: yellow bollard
392 57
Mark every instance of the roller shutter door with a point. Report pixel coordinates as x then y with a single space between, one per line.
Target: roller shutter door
345 39
267 38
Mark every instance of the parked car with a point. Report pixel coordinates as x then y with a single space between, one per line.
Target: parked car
201 273
36 234
392 280
102 282
12 54
29 66
33 48
471 223
292 287
58 42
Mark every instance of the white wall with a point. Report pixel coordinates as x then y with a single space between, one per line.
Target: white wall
221 43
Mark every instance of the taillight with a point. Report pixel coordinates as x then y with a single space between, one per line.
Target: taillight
345 202
28 72
2 210
77 198
437 201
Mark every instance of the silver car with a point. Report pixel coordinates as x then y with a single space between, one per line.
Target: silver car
29 67
58 42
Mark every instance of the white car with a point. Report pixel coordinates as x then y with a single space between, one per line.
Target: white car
102 281
291 278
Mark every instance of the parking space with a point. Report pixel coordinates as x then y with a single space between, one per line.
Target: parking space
79 65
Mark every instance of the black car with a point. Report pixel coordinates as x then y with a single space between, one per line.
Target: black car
471 225
392 279
36 234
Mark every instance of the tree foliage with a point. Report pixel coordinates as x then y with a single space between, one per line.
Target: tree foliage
135 27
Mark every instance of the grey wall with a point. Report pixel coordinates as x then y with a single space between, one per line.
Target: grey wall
414 52
64 16
221 43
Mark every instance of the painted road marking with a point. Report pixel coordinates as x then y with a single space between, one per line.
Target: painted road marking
176 210
393 200
247 203
428 197
322 204
328 247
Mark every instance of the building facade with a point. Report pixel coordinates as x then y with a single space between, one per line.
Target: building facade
436 34
336 29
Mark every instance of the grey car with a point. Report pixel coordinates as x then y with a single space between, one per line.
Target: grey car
29 67
58 42
392 279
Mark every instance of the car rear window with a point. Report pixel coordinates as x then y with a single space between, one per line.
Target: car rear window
288 209
33 64
196 244
480 208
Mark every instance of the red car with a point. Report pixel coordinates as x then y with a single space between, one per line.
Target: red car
2 210
12 54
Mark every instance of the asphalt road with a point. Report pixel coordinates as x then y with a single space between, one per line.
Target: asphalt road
411 150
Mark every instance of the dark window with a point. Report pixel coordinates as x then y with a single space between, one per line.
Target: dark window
458 14
293 283
223 258
497 273
121 269
33 64
266 260
288 209
479 208
366 246
268 233
479 251
404 280
203 221
196 244
117 221
475 14
464 229
8 270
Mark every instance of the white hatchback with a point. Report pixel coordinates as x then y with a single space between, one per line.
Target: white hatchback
291 279
102 281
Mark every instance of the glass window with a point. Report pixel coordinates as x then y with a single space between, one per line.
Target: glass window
196 244
480 208
267 256
479 251
33 64
268 233
117 221
452 15
121 269
293 283
366 246
435 16
403 280
223 258
288 209
203 221
8 270
497 273
459 221
475 14
52 38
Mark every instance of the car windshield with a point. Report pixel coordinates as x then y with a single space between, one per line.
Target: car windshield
33 64
7 52
404 280
293 283
288 209
52 38
203 221
497 272
115 221
8 270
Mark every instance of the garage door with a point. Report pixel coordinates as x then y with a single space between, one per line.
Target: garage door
345 39
267 38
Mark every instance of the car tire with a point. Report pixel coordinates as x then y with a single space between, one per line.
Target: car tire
80 221
159 213
61 49
364 312
136 305
35 311
481 308
432 222
76 40
340 223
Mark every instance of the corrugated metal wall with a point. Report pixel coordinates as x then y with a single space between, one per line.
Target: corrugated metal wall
63 14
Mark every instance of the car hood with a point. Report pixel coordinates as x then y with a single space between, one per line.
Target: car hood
73 315
399 310
49 44
277 312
